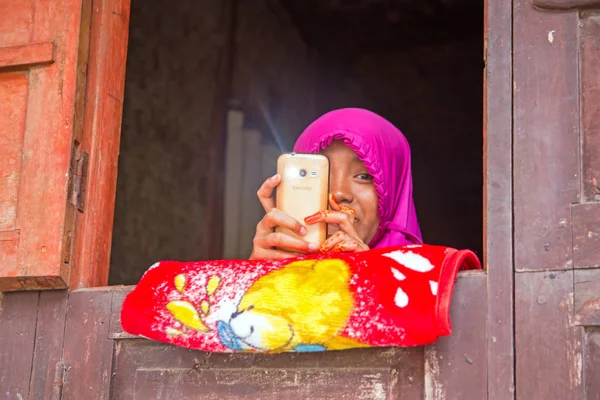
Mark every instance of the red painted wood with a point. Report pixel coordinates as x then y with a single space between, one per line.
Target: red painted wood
101 138
13 91
590 112
16 22
27 55
37 138
498 224
546 130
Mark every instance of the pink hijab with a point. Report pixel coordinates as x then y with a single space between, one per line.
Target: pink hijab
385 152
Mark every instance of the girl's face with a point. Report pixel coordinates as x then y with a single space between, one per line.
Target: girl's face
353 187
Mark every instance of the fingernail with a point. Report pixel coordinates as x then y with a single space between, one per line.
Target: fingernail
274 177
312 247
312 219
303 231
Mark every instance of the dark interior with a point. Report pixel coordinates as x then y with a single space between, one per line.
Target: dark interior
419 63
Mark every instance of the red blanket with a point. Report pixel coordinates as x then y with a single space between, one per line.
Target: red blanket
385 297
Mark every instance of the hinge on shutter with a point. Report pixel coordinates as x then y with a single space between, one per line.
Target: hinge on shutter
59 380
79 179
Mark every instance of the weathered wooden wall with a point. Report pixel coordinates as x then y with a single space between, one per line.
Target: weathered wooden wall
556 207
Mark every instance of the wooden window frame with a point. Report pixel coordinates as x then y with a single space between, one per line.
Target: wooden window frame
92 248
101 135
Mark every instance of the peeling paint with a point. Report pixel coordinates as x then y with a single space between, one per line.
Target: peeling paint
371 388
551 35
573 346
575 361
563 222
434 390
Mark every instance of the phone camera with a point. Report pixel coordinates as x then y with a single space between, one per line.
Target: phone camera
302 173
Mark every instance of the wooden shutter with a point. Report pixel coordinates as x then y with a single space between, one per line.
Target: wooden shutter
39 42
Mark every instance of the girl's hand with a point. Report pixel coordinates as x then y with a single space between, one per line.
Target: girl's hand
341 242
266 240
346 239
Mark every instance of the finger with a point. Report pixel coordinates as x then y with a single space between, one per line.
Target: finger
275 217
333 240
283 241
265 192
335 206
344 221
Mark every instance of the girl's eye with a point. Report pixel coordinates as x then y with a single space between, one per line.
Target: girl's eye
365 177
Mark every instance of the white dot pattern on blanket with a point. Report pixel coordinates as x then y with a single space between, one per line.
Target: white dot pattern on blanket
401 298
433 285
410 260
398 275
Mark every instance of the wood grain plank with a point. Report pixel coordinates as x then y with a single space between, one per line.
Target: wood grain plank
100 139
586 235
565 4
27 55
498 225
8 264
546 135
263 384
42 194
116 330
18 314
13 105
145 353
592 364
9 235
49 338
404 366
587 297
88 351
15 21
548 345
590 112
456 366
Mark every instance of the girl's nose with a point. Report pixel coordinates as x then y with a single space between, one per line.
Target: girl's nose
341 189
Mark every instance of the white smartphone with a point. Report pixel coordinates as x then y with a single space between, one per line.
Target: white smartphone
303 191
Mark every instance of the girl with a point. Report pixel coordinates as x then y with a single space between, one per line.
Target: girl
371 189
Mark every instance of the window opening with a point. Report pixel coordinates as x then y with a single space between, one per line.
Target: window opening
417 63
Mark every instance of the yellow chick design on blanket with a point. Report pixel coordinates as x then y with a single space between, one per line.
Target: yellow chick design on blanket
301 307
